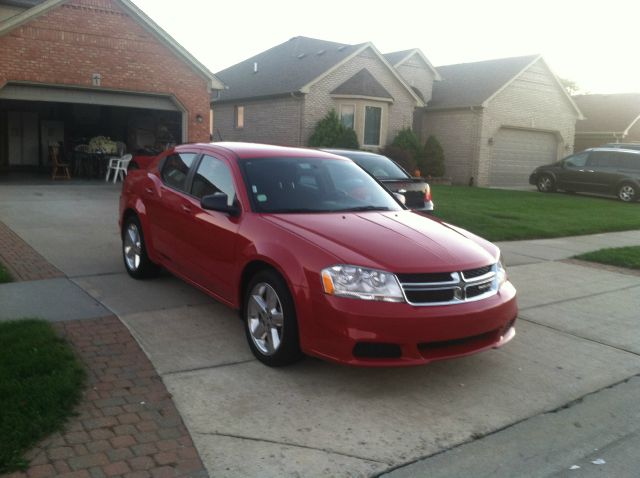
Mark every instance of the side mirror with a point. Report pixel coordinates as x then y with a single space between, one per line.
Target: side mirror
218 202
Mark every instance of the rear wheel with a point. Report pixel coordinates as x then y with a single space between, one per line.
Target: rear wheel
627 192
270 320
546 184
134 251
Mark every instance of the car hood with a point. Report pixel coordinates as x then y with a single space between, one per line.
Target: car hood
400 241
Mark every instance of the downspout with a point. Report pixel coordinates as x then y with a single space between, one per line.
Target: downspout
475 162
299 96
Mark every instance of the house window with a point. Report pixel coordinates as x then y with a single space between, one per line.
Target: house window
347 116
372 123
239 117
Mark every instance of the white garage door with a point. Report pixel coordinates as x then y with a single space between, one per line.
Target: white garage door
517 153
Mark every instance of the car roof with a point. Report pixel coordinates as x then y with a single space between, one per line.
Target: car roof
351 151
614 150
258 150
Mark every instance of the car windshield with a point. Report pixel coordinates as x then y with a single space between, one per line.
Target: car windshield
380 166
295 185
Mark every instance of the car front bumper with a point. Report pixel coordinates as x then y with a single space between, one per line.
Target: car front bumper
382 334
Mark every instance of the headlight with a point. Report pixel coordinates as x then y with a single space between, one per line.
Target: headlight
361 283
501 272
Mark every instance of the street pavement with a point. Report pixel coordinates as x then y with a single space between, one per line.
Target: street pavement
562 394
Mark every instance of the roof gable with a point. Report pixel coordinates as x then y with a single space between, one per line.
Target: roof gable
397 58
362 83
614 113
292 67
472 84
42 7
283 69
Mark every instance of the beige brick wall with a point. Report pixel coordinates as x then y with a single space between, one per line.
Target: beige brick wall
458 132
418 75
533 101
274 121
319 101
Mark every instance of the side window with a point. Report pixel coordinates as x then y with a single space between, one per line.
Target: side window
602 159
239 117
213 176
576 161
176 169
629 161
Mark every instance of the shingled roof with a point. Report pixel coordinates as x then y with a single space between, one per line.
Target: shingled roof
362 83
614 113
471 84
283 69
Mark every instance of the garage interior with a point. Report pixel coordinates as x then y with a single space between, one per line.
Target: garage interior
71 118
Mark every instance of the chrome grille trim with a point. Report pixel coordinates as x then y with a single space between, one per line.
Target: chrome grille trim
462 285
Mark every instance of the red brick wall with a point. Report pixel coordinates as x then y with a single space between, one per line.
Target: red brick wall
73 41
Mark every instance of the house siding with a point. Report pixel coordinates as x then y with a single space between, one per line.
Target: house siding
71 42
458 132
274 121
319 101
418 75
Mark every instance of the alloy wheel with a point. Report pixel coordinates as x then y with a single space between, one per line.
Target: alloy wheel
265 318
132 247
545 184
627 193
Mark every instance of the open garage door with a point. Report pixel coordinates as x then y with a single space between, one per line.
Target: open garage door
517 153
32 117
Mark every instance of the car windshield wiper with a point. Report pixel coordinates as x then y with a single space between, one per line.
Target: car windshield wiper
363 208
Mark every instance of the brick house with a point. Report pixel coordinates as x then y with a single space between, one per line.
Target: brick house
279 95
73 69
608 119
497 120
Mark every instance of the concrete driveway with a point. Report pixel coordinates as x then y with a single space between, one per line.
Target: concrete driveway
577 337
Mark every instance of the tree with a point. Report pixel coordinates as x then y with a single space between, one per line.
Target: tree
330 133
432 158
408 140
569 85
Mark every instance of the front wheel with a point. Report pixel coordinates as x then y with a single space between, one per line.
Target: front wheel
627 192
134 251
546 184
270 320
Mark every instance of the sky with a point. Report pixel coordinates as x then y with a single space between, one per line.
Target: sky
592 43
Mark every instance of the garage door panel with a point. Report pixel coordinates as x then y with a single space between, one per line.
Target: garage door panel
517 153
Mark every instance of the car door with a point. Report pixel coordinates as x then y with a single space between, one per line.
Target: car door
572 175
213 237
602 167
166 208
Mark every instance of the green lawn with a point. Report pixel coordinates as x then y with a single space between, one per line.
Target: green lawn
4 275
40 382
498 214
628 257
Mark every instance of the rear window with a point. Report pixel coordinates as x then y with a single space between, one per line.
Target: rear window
379 166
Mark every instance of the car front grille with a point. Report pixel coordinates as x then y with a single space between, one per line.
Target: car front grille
443 288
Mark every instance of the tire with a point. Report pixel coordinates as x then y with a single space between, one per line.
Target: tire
270 321
627 192
546 184
134 251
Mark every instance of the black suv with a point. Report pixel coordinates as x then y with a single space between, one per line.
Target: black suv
597 170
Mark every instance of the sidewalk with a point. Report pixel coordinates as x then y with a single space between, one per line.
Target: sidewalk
127 424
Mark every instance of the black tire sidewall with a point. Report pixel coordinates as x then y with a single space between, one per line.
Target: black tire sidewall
289 350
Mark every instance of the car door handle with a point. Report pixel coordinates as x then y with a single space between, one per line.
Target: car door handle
149 190
185 208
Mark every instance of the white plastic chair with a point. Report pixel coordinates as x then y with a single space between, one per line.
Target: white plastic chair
119 167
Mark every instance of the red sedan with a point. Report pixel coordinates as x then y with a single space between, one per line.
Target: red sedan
317 256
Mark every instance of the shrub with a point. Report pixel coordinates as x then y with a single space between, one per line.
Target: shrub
347 139
432 158
327 132
408 140
400 156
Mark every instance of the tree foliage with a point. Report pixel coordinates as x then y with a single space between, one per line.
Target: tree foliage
331 133
431 161
570 85
408 140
